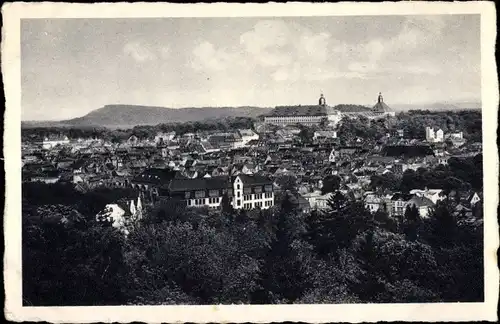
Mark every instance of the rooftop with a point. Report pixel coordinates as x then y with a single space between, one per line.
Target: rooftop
221 182
299 111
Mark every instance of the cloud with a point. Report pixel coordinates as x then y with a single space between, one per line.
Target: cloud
398 53
139 52
207 57
288 52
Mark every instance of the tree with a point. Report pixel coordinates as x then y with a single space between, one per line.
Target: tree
285 271
287 182
335 228
305 135
411 222
330 184
442 226
226 206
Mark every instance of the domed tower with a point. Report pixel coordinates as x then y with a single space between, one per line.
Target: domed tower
380 106
322 100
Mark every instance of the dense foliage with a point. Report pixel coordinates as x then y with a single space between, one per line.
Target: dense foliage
142 132
413 125
461 174
199 256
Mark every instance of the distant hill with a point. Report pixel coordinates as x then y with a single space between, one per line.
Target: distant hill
437 106
114 116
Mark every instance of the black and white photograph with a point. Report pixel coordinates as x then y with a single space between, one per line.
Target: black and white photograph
319 159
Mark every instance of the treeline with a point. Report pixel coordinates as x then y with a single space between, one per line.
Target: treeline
142 132
461 174
198 256
413 124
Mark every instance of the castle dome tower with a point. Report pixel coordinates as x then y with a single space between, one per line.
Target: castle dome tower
322 100
380 106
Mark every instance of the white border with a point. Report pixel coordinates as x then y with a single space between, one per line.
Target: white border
12 14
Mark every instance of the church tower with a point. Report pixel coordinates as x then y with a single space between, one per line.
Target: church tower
322 100
380 98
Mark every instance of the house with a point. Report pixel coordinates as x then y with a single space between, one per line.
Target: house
321 135
331 156
121 214
424 205
164 137
152 179
433 136
397 204
248 135
317 200
373 202
473 199
407 151
433 195
244 191
252 191
346 151
303 204
133 140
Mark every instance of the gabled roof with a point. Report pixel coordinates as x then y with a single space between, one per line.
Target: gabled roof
421 201
254 179
315 110
221 182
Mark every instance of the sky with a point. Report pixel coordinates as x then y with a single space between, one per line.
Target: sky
70 67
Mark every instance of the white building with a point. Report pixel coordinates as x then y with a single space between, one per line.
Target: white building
164 137
252 191
433 195
317 200
244 191
248 135
331 157
307 115
433 136
50 142
121 216
324 135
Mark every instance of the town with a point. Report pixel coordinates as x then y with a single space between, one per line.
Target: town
299 150
330 176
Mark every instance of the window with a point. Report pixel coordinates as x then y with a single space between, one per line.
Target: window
238 202
238 194
268 188
199 194
213 193
268 195
247 197
257 189
247 190
238 186
187 194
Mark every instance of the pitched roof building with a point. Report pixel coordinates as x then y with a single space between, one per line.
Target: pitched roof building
307 115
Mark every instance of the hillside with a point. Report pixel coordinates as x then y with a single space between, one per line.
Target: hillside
130 115
438 106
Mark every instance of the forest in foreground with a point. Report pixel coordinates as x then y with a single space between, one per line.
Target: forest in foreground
281 255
